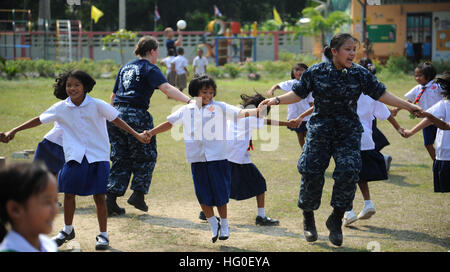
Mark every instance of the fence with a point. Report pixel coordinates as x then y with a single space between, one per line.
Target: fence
44 45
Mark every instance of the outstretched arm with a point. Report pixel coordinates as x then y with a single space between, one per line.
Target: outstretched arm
390 99
272 90
423 124
287 98
436 121
163 127
271 122
174 93
8 136
396 125
141 137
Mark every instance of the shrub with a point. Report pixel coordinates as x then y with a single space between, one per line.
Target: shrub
397 64
232 69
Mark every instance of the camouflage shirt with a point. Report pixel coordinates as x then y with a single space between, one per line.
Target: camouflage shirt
336 93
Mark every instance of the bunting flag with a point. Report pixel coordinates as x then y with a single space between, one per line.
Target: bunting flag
157 16
95 13
277 17
217 11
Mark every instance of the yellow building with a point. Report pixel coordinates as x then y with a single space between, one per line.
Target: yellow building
391 21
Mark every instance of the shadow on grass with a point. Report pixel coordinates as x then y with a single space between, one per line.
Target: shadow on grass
399 181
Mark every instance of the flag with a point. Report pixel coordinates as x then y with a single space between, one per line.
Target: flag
157 16
277 17
217 11
95 13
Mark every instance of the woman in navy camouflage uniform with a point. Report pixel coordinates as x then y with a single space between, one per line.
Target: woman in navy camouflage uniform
135 84
334 130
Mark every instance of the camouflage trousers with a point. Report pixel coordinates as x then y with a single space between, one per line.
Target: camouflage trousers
128 155
318 150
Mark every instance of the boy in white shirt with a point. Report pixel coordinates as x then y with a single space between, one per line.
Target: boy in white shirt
167 61
200 63
179 65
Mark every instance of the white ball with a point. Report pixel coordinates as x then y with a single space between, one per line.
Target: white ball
181 24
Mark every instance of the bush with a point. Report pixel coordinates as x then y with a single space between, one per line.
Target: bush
396 64
215 71
232 69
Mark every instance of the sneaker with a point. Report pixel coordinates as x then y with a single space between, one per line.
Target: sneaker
349 217
387 161
309 227
266 221
334 225
112 207
63 237
137 200
367 212
102 242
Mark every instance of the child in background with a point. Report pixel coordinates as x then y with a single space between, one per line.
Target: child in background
205 128
439 115
28 202
167 61
179 65
294 110
200 63
86 147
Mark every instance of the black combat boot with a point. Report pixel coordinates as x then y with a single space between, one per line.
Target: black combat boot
334 225
111 205
309 226
137 200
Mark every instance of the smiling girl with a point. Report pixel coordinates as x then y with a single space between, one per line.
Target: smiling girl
85 144
334 130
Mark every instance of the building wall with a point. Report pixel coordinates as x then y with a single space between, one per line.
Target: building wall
396 15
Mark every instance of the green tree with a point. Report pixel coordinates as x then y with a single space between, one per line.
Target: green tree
117 38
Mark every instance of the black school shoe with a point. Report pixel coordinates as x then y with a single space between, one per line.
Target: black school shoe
137 200
102 244
202 216
67 237
334 225
266 221
214 239
112 207
309 227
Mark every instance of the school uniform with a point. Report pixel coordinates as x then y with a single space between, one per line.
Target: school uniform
171 75
15 242
205 136
134 87
85 144
431 95
200 65
295 109
50 150
181 79
373 164
334 130
246 180
441 166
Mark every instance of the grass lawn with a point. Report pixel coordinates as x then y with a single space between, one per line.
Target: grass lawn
410 216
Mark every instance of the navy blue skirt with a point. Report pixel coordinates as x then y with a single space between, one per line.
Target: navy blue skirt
51 154
378 137
246 181
84 179
373 166
212 181
441 176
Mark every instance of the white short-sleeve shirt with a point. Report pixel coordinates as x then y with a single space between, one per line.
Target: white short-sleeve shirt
55 134
441 110
294 110
432 95
168 61
13 241
200 64
180 63
84 128
242 133
368 108
205 129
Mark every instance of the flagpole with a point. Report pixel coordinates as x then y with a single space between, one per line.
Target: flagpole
154 19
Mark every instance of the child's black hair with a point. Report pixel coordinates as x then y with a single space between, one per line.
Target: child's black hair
336 42
198 83
180 51
428 70
253 101
297 66
60 83
367 63
444 83
171 52
19 182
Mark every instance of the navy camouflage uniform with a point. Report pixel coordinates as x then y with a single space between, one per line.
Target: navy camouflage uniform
334 130
135 84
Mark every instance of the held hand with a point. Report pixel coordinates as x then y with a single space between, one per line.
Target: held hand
406 133
394 112
401 131
143 137
267 102
3 137
292 123
8 136
415 110
270 93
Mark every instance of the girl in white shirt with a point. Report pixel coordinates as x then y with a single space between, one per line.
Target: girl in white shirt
28 203
86 147
439 115
295 109
167 61
205 136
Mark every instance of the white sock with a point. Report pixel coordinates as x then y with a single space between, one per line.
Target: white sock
214 225
104 234
368 202
262 212
67 229
224 231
